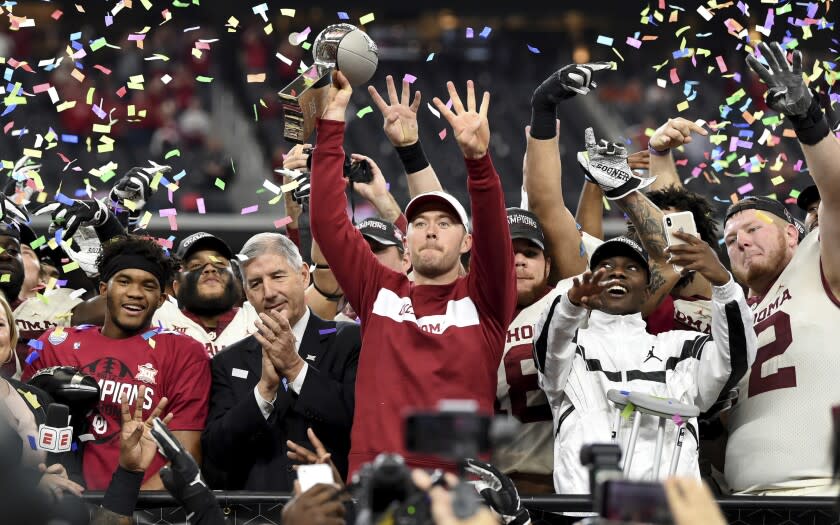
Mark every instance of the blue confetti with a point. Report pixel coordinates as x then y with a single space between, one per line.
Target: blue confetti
74 447
69 139
343 16
33 443
64 199
32 357
151 333
326 331
430 57
8 110
485 32
36 344
76 36
533 49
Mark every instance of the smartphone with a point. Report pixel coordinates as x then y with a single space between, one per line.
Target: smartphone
311 475
634 501
682 221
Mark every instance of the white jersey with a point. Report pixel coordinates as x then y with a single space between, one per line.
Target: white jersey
579 363
781 427
518 394
240 327
36 315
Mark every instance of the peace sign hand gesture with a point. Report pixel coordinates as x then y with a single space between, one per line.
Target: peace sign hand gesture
137 447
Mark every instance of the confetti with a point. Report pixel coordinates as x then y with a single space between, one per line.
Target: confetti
430 57
288 12
628 410
202 78
678 420
343 16
705 13
604 40
219 183
250 209
279 223
199 203
364 111
256 77
368 18
409 78
533 49
442 134
485 32
470 33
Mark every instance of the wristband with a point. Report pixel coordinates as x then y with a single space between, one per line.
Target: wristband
658 153
811 127
412 157
543 122
121 495
332 297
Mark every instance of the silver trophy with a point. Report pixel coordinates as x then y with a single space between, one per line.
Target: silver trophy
305 98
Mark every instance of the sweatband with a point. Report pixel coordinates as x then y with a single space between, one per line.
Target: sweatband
135 262
413 157
121 495
543 121
811 127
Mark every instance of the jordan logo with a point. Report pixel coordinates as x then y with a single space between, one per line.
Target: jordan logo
651 356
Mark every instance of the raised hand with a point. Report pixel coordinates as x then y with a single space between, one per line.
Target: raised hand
697 256
674 133
137 447
639 160
377 187
135 186
605 164
586 290
787 92
470 127
71 216
568 81
338 97
400 117
296 168
305 456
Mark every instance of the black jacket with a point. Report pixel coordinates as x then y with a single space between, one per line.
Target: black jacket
249 450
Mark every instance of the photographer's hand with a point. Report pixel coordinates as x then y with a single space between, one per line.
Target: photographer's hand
305 456
319 505
376 191
692 503
443 511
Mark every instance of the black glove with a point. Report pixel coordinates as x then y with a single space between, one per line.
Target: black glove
787 92
301 194
183 480
498 492
561 85
70 216
135 186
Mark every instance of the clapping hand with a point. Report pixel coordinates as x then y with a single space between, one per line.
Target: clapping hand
470 126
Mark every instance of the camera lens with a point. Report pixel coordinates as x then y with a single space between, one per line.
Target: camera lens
668 221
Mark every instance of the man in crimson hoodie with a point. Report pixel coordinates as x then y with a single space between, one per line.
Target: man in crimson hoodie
440 336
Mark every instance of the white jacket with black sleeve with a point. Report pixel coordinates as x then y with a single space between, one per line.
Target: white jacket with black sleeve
578 362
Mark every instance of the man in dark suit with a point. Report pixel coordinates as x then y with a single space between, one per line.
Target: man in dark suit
297 371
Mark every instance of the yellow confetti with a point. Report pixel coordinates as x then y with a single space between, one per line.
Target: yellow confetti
30 398
287 12
682 106
35 153
256 77
368 18
763 216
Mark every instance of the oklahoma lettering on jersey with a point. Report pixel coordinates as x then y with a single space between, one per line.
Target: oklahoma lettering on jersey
241 326
177 368
518 394
781 426
693 314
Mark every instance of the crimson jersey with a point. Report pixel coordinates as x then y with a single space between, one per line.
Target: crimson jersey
168 364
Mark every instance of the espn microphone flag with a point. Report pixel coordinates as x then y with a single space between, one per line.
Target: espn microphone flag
56 435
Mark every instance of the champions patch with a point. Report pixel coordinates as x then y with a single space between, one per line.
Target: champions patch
57 337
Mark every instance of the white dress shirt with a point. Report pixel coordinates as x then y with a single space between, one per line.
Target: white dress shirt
267 407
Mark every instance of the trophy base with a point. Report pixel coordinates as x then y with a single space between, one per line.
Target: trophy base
304 100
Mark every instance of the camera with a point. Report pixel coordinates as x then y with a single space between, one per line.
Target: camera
355 171
668 221
386 493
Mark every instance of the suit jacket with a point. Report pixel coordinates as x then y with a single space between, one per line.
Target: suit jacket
249 450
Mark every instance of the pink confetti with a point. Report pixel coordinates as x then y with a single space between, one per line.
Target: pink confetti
40 88
442 134
279 223
470 32
136 37
409 78
633 42
746 188
109 20
121 92
173 224
721 64
168 212
675 78
103 69
250 209
56 14
199 203
8 126
678 420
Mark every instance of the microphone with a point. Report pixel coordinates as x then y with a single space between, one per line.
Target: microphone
56 435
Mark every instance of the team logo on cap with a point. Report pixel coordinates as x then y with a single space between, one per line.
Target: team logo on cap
146 373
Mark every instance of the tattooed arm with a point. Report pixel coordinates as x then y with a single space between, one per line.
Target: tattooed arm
648 229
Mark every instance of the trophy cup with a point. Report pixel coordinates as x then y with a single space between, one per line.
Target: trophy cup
339 46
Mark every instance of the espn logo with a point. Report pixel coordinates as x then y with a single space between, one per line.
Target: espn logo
55 439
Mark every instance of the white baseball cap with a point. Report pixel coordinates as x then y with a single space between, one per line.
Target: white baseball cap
445 199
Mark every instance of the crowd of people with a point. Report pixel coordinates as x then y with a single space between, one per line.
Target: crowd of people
263 363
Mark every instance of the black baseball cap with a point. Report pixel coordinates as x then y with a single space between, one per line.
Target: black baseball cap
620 246
381 231
10 228
808 196
524 225
764 204
202 240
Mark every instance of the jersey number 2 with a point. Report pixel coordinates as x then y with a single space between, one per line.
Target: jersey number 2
784 377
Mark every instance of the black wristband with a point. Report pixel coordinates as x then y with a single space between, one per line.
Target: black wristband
412 157
813 126
543 121
109 229
121 496
333 297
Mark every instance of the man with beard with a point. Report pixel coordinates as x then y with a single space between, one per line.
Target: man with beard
592 339
125 353
207 294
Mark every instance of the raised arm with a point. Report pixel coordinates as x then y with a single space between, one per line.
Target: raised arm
672 134
543 183
491 279
377 194
788 94
400 125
